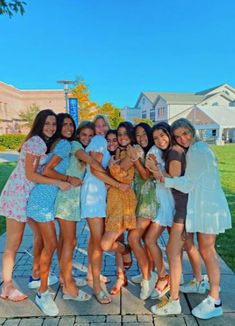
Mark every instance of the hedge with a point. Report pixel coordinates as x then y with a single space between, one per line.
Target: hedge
11 141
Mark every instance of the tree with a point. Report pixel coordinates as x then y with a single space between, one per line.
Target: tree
87 108
29 115
11 7
146 120
112 113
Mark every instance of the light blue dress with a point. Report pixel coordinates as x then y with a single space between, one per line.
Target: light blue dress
41 203
207 208
166 210
93 190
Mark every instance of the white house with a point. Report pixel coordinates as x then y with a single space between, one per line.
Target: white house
217 103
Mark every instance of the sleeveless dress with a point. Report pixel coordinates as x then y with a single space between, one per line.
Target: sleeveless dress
121 205
164 196
93 190
67 205
41 203
15 194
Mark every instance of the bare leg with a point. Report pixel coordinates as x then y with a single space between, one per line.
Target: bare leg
174 250
109 241
37 247
15 231
96 226
68 234
134 239
207 250
153 233
194 256
49 245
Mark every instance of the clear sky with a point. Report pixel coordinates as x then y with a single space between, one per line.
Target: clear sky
120 47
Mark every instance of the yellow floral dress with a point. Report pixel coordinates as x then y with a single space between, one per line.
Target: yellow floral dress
121 205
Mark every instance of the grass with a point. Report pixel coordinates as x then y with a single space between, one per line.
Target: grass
225 243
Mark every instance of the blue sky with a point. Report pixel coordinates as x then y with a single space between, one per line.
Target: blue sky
120 47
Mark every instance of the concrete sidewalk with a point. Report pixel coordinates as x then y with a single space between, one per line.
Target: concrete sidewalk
125 309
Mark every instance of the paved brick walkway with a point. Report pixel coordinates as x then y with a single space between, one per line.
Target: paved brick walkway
125 309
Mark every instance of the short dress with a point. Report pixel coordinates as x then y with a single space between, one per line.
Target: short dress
15 194
145 192
177 153
67 205
207 209
93 190
41 203
166 210
121 205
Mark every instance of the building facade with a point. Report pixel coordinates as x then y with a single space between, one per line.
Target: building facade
13 101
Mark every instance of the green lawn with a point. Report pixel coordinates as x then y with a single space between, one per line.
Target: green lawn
226 159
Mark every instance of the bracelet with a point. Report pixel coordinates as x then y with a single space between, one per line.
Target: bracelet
134 159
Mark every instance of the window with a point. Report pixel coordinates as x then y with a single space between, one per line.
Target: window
144 115
215 104
143 100
213 132
152 115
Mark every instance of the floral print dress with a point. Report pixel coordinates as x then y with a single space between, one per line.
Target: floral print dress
15 194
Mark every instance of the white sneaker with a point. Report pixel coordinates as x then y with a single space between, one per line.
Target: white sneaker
147 287
34 283
47 304
136 279
167 307
195 286
208 309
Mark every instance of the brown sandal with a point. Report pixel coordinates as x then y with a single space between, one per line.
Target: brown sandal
158 292
115 289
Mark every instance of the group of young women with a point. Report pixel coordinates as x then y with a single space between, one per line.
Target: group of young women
136 179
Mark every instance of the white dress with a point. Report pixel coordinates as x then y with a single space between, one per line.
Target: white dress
207 209
164 196
93 190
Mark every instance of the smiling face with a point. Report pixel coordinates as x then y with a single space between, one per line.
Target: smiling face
183 137
101 127
85 136
112 142
49 127
161 139
67 128
123 138
141 137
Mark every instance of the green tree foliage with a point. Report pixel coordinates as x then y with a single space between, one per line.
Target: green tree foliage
11 7
29 115
146 120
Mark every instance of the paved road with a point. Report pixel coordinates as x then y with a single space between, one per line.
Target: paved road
9 156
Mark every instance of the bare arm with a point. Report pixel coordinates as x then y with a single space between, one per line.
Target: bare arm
31 165
88 159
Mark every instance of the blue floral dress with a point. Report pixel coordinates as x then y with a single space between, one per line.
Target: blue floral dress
41 203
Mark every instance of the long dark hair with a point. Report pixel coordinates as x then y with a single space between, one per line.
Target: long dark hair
60 121
38 125
166 128
129 129
149 134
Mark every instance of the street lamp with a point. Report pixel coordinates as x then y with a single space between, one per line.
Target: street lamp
66 84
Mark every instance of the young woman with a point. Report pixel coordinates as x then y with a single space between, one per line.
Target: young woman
121 212
207 209
174 157
16 192
41 205
68 211
146 209
93 202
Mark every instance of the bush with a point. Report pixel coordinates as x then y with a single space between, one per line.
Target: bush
11 141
